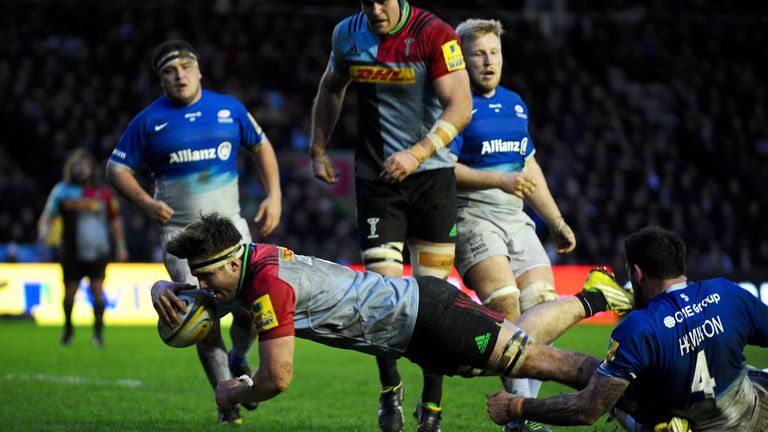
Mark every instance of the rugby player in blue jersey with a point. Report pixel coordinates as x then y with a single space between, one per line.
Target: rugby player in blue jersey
498 253
678 359
413 97
189 139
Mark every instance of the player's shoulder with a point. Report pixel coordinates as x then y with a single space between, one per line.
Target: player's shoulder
59 188
154 110
718 284
351 25
263 253
725 290
424 21
510 96
507 93
636 324
214 97
225 105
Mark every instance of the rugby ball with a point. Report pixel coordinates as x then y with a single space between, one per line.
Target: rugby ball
195 323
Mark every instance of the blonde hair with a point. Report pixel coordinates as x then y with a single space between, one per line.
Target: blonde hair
475 28
76 156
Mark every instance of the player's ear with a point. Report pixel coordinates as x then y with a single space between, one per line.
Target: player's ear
639 273
234 265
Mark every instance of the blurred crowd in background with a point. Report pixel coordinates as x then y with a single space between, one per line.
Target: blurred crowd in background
641 113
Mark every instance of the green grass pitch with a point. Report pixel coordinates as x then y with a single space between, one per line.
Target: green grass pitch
136 383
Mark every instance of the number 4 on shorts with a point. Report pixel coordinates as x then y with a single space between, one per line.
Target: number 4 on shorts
702 381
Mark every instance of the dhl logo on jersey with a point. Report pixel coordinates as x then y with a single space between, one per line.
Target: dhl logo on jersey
382 74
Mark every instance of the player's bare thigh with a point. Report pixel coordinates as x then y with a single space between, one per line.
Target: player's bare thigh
537 274
490 275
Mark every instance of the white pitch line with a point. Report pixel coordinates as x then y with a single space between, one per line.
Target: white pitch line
75 379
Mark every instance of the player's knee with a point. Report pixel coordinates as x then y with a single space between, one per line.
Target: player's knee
385 256
535 293
503 295
432 260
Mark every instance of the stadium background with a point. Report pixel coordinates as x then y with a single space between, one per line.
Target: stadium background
641 112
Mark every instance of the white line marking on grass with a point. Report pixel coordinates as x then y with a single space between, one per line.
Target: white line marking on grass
75 379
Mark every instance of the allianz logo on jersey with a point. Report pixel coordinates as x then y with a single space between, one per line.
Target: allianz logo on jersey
499 145
223 151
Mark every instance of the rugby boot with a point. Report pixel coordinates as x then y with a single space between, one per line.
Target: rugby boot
620 300
524 426
66 336
427 417
675 424
391 409
230 416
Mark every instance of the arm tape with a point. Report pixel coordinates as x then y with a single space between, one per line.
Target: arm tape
442 133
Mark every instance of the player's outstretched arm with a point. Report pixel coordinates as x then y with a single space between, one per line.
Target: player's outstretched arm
325 113
271 207
582 408
273 376
544 205
126 185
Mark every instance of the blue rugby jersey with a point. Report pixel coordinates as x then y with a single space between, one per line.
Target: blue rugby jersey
496 139
191 152
686 348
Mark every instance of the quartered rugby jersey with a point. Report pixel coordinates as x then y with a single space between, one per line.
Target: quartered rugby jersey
685 348
191 152
314 299
86 214
393 76
496 139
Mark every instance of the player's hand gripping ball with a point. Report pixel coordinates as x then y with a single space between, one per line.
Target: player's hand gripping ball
194 325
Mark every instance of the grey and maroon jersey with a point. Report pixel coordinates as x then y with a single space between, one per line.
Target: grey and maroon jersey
314 299
393 76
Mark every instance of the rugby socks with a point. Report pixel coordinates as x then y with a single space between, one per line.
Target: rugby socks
433 389
98 318
516 386
534 386
215 362
593 302
235 361
388 374
68 305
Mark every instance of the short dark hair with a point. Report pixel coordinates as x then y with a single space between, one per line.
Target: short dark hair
208 236
658 252
167 47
